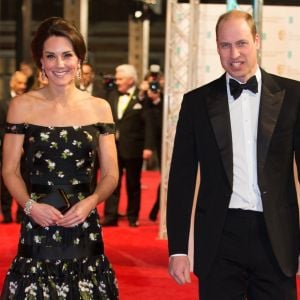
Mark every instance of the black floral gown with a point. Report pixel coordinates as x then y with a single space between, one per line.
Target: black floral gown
56 262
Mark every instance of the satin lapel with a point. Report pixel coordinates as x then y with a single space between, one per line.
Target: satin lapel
218 111
130 105
270 105
114 101
134 100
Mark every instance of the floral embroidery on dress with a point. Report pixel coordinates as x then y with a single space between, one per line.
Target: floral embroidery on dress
77 143
60 174
44 136
66 153
64 135
51 164
61 156
88 136
54 145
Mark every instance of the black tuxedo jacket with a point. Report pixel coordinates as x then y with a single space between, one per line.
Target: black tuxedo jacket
3 112
99 89
203 137
134 130
155 113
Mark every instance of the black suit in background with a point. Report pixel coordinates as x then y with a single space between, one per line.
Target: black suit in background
154 111
99 89
133 135
6 198
3 112
96 88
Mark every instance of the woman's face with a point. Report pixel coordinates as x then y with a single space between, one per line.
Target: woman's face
59 61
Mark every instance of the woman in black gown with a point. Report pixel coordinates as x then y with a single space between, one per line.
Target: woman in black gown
61 131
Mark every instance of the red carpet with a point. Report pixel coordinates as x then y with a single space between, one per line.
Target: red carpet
139 258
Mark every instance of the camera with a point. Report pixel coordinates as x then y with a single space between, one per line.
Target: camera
109 81
154 84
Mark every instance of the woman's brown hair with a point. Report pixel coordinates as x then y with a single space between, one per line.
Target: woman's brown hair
56 26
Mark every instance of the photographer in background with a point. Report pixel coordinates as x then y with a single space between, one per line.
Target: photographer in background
109 82
151 93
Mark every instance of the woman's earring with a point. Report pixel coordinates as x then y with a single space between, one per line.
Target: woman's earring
78 74
44 77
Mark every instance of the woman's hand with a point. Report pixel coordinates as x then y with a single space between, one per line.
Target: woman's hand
78 213
45 215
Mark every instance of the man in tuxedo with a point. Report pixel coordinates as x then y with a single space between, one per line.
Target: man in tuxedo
90 83
134 141
244 139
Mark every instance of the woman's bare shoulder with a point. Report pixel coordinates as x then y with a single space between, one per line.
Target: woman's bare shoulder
102 107
22 105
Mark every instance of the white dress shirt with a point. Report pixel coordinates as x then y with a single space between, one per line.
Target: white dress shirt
89 88
123 102
244 113
244 120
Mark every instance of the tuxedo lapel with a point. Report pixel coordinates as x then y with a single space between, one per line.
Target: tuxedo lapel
114 105
131 103
218 111
270 104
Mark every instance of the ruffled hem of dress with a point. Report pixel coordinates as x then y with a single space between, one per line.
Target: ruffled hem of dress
88 278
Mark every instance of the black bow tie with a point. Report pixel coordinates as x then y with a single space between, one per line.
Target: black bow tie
237 88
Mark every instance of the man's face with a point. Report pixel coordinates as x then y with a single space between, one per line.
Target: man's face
123 82
26 69
237 48
87 75
18 84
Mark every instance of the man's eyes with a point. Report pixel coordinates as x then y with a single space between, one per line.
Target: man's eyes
225 46
238 44
242 43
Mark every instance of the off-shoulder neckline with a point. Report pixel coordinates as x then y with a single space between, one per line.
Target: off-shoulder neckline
63 126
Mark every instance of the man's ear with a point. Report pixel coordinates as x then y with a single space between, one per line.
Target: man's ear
257 41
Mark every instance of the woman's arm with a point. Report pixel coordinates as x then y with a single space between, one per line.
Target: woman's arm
44 215
107 153
109 172
12 152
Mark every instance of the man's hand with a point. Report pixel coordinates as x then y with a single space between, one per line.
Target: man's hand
179 269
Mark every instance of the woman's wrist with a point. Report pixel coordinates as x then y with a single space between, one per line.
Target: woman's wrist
28 206
94 199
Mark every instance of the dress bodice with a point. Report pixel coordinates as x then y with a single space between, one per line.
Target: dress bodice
60 155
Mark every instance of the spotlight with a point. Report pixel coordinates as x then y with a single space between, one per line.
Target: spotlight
138 14
140 10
